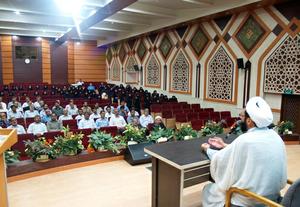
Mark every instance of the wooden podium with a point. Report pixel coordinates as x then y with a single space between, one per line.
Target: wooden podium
10 138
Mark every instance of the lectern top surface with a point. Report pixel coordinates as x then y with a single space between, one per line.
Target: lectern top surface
183 154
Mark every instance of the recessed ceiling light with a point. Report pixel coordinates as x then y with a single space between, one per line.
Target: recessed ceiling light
77 43
17 12
15 37
70 7
38 38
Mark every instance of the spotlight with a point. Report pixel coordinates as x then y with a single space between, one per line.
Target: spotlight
70 7
39 39
15 37
78 43
17 12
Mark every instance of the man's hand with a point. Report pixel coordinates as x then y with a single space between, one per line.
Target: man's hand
217 142
205 146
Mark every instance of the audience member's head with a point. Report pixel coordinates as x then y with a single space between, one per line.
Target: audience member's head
65 112
86 115
135 121
3 116
48 112
102 114
158 120
85 104
80 111
116 112
146 112
108 109
37 119
13 108
13 121
27 99
31 107
57 103
132 112
53 117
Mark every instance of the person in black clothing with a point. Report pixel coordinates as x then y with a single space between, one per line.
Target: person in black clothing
4 123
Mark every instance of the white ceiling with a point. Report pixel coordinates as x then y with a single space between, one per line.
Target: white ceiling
43 18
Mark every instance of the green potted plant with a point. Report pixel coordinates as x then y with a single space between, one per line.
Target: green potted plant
160 135
211 128
101 141
285 127
134 134
186 133
120 142
69 143
40 150
12 156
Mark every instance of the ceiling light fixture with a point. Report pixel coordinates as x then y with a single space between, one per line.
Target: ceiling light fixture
17 12
70 7
39 39
15 37
77 43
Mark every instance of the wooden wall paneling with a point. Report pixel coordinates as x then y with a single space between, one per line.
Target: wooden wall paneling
1 76
59 63
89 62
7 62
46 63
71 67
31 72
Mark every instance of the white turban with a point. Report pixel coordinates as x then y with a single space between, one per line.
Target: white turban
259 111
158 117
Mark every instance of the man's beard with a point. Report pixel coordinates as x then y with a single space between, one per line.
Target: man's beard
243 126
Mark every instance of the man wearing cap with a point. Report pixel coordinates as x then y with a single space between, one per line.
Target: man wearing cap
255 161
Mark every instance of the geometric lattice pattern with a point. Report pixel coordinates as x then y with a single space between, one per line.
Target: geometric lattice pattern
282 68
220 76
130 64
122 53
165 46
153 72
141 50
180 74
115 70
250 33
108 55
199 41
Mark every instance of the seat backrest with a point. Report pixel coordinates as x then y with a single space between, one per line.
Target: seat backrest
291 197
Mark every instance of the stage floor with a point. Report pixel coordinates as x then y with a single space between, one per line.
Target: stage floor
113 184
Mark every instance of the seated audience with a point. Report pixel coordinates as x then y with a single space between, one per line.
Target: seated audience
65 116
26 104
135 112
38 104
54 124
72 108
95 114
37 127
98 108
131 116
123 104
3 110
31 113
57 108
102 121
122 111
4 123
117 120
14 102
109 112
43 111
14 125
47 117
255 161
86 122
146 118
14 113
79 116
91 87
86 108
158 123
2 104
136 123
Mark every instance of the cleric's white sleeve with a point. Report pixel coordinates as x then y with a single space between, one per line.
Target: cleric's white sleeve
210 153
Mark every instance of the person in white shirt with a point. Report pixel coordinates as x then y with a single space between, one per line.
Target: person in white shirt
79 116
95 114
37 127
72 108
31 113
108 108
146 118
14 113
256 160
38 103
14 125
3 105
86 122
3 110
98 108
136 114
43 111
117 120
65 116
26 104
108 113
14 102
